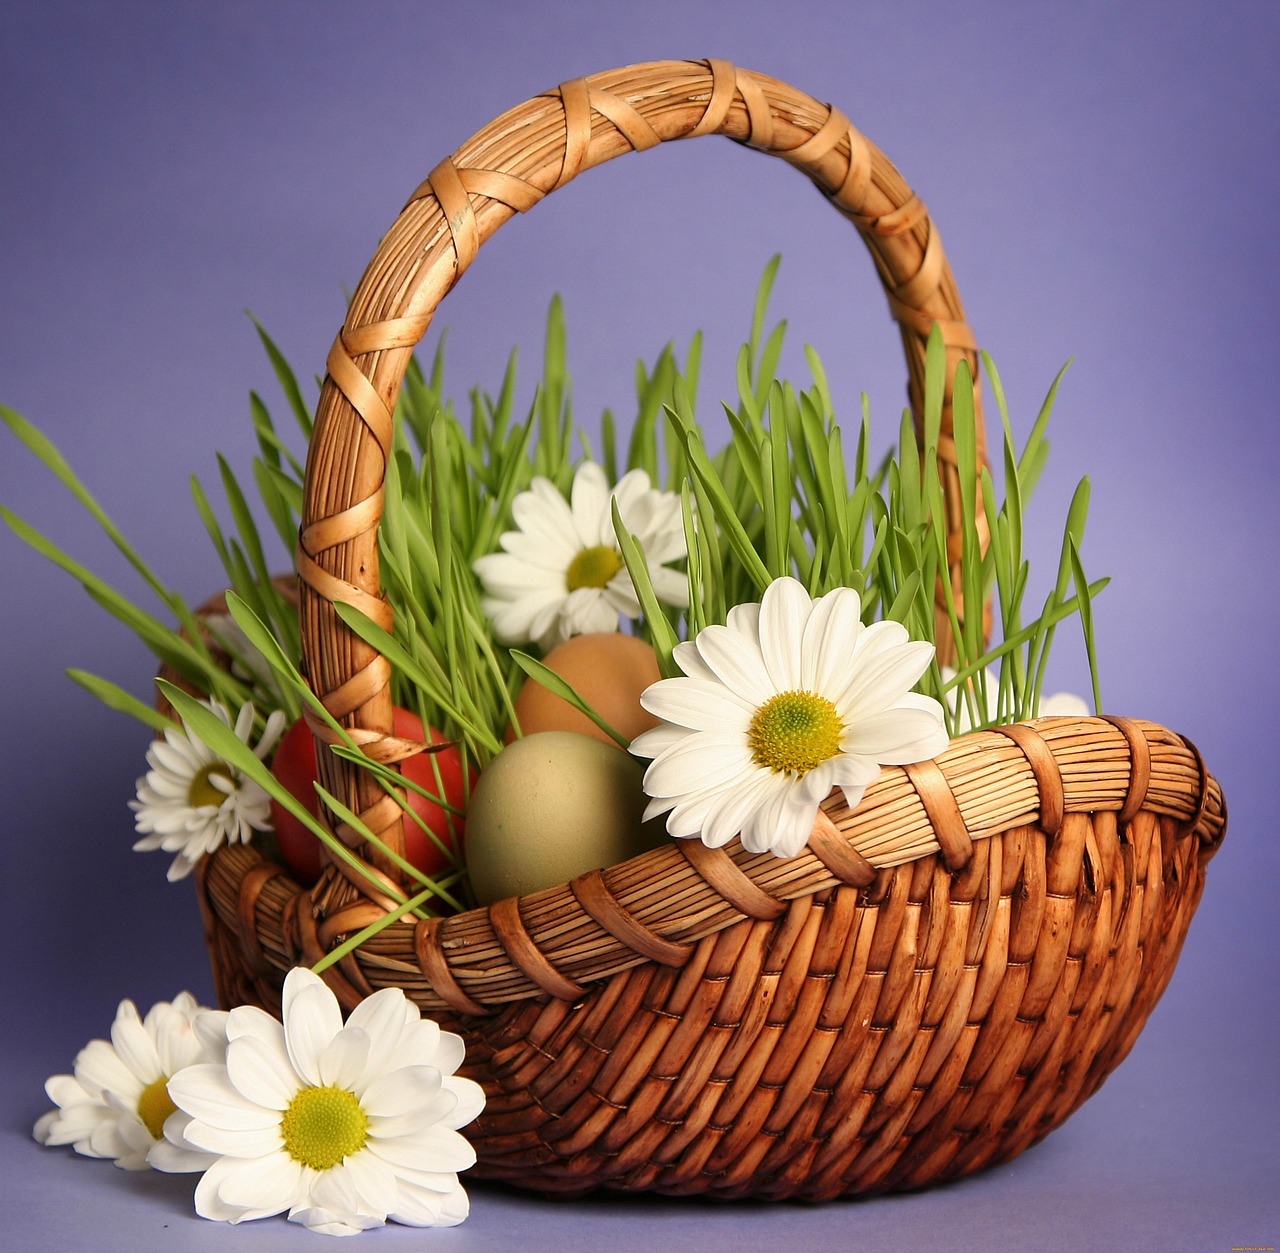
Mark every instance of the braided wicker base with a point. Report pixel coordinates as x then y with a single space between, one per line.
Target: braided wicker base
861 1039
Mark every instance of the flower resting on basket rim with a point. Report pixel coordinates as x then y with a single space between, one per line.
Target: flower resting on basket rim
191 801
116 1103
561 573
343 1125
792 697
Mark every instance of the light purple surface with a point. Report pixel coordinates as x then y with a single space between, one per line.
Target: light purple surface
1104 176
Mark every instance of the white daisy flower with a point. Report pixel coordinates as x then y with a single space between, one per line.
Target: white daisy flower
116 1103
561 572
791 698
1060 704
191 801
342 1126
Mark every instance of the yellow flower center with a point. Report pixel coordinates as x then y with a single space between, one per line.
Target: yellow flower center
201 791
155 1105
593 567
794 731
322 1126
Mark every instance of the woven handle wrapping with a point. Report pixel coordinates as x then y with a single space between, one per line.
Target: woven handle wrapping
507 168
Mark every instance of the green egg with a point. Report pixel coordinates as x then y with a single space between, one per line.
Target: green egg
552 806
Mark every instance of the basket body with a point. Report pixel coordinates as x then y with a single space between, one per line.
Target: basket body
705 1021
863 1039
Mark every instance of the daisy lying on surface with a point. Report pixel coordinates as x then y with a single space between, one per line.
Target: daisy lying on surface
116 1103
343 1126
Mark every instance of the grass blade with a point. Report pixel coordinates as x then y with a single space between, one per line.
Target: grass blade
566 691
117 698
287 379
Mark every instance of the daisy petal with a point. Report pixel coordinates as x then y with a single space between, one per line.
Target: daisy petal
587 611
311 1020
1063 705
738 663
697 705
784 610
830 639
248 1020
897 736
335 1195
745 620
260 1073
135 1048
878 682
689 660
207 1094
402 1091
342 1064
589 500
782 827
468 1097
99 1068
432 1149
734 807
268 1184
705 760
374 1182
656 740
175 1154
429 1207
327 1223
670 586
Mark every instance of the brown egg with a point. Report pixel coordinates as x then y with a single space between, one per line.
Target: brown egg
609 671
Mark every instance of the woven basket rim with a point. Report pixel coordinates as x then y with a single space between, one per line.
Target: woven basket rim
557 941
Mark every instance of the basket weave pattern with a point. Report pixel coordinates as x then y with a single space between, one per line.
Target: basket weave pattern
932 985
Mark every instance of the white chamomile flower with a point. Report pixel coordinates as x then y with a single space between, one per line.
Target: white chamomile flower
791 698
561 572
344 1127
116 1103
191 801
1060 704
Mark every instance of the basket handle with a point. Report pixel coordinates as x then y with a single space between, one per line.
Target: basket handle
504 169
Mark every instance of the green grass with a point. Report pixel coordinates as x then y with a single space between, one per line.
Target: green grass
794 490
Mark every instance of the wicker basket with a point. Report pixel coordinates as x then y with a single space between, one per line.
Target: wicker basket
936 982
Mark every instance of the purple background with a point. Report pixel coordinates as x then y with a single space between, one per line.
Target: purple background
1104 176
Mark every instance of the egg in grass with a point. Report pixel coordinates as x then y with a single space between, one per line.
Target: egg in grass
551 806
609 671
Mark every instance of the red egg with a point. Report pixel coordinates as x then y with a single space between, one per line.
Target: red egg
294 765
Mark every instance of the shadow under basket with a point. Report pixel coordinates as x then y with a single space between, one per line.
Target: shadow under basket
932 985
